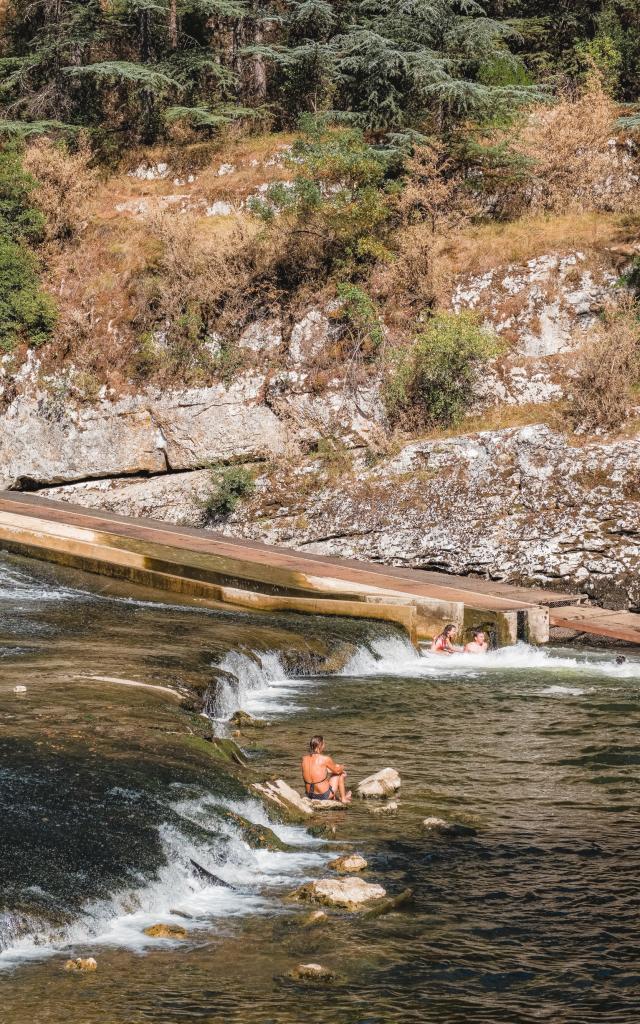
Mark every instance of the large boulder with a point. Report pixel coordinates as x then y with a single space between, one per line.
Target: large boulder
345 893
383 783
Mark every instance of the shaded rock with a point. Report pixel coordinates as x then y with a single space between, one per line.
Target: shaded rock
345 893
381 784
311 972
81 964
352 862
259 837
243 720
166 931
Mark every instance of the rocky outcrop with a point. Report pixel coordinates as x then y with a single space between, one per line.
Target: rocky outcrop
521 505
384 783
45 442
543 305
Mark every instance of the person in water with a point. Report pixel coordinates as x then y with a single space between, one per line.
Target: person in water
323 778
479 644
443 643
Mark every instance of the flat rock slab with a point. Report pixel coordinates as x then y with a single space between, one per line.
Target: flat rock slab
383 783
345 893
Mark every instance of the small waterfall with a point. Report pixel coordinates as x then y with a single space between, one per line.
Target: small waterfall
248 681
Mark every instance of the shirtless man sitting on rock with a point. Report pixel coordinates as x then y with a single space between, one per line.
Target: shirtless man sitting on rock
323 778
479 644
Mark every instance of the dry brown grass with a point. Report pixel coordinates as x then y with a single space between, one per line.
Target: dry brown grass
607 372
567 143
66 186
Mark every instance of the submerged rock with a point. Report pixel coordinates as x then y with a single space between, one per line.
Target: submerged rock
435 823
346 893
81 964
352 862
315 919
383 783
390 807
166 931
311 972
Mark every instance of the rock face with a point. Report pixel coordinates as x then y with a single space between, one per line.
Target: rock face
541 304
43 441
521 504
346 893
345 865
383 783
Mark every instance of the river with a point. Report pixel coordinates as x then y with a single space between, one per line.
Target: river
525 910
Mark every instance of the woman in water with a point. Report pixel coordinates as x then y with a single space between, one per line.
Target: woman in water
323 778
443 643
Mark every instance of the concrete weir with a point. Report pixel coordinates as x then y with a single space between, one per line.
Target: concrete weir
226 572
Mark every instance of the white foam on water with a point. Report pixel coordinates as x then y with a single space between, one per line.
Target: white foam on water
259 685
561 691
394 656
177 895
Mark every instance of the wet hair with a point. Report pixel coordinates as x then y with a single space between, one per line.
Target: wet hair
620 660
315 743
446 631
477 631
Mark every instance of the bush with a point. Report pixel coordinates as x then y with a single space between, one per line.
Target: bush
27 314
64 186
607 380
229 486
432 382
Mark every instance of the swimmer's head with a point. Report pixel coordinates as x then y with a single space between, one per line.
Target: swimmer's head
316 744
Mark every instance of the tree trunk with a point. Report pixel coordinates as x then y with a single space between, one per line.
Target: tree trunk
173 24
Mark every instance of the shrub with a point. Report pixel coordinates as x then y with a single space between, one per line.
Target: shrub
607 378
358 313
27 314
64 186
431 383
228 487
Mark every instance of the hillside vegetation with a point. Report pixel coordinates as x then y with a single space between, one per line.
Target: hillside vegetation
172 172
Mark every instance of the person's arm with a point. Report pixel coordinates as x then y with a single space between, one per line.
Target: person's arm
335 769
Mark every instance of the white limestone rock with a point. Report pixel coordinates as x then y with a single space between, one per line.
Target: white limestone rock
350 863
384 783
350 893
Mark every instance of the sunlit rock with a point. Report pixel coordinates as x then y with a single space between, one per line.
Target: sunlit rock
344 865
346 893
166 931
81 964
383 783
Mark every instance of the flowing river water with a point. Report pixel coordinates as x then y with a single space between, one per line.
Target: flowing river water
525 911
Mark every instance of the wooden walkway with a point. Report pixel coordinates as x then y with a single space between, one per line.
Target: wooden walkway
226 570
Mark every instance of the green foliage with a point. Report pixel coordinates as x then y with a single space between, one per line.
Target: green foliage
26 313
360 316
336 213
229 486
431 383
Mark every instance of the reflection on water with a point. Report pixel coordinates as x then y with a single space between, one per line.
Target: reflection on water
525 911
